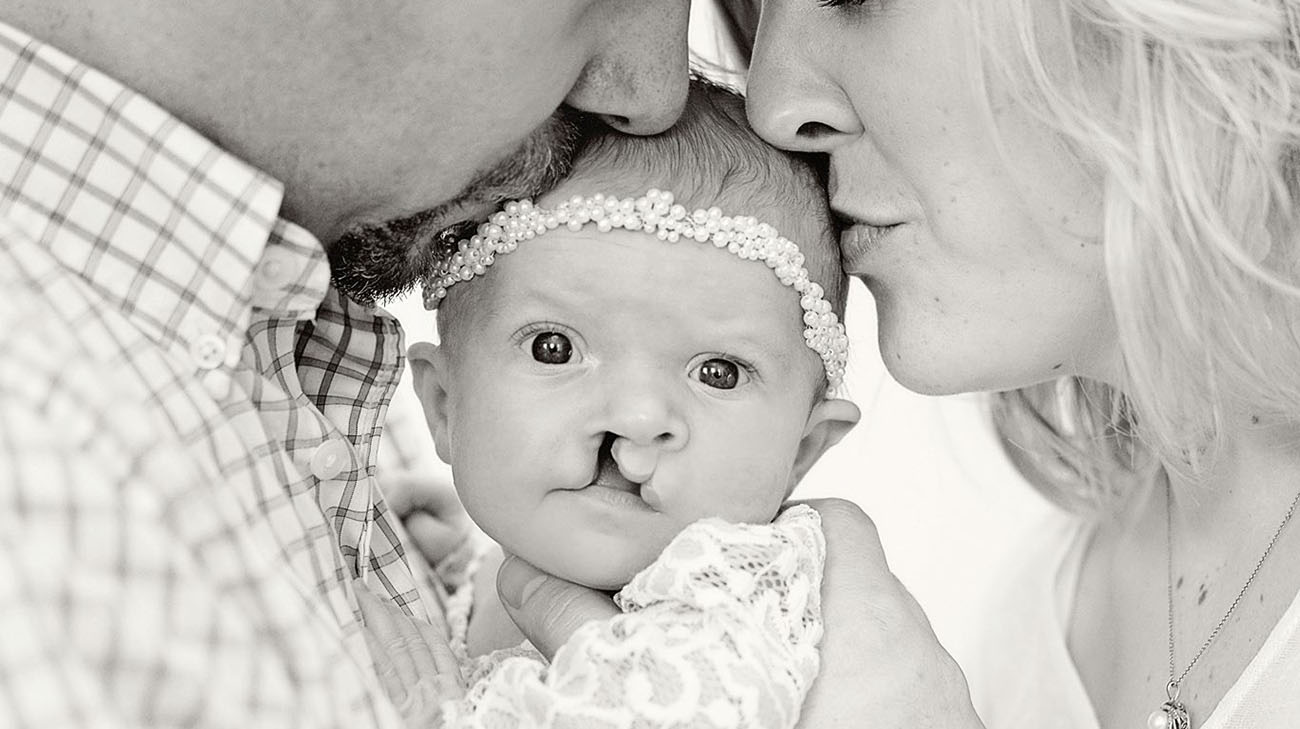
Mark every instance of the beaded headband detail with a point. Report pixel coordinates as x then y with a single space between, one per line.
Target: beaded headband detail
657 214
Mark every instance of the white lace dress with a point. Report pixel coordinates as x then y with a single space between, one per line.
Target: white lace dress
721 631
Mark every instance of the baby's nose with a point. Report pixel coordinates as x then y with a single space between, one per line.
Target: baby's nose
648 417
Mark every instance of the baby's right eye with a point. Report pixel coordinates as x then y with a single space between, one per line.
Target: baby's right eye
552 348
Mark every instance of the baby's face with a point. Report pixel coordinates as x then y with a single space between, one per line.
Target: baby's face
604 390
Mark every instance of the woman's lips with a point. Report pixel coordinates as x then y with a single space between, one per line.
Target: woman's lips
861 241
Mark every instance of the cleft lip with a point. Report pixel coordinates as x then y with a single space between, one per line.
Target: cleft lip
607 474
615 480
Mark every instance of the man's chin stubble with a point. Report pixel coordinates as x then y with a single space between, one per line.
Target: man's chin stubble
380 261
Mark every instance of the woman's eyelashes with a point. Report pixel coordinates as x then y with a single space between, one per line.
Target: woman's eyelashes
864 5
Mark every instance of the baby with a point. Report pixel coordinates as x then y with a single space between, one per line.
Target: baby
633 374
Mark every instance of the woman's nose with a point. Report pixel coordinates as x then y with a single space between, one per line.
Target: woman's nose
792 100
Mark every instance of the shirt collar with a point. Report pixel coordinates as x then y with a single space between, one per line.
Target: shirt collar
161 222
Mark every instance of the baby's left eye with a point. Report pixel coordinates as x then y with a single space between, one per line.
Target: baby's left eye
552 348
719 373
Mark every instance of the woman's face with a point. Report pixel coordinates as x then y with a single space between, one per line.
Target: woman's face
984 260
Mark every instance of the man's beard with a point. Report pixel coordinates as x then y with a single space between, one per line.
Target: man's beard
375 262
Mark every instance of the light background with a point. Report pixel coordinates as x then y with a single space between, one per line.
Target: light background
926 469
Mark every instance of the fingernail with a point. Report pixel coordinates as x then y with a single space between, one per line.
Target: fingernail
517 581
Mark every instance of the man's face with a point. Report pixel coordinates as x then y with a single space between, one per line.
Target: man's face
386 110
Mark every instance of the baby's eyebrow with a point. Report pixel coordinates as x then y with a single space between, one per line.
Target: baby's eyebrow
542 295
753 341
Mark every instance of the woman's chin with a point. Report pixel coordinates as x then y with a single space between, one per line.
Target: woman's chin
947 366
929 379
990 338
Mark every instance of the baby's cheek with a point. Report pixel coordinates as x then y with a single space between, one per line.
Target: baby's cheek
752 492
761 475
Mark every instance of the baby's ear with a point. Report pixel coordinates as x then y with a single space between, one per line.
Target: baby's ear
830 420
429 370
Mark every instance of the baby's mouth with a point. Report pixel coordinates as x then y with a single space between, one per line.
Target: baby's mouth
607 474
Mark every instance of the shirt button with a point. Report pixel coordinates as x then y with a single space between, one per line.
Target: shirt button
208 351
274 270
329 459
217 383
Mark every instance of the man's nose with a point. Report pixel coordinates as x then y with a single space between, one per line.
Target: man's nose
636 81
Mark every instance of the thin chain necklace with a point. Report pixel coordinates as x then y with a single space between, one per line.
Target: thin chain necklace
1173 713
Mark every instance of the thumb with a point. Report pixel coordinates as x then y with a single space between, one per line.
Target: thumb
546 608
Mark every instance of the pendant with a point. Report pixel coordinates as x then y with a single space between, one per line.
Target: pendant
1171 714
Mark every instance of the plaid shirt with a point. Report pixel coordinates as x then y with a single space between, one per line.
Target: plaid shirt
189 419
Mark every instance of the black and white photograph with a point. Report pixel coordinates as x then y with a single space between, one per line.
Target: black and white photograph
650 364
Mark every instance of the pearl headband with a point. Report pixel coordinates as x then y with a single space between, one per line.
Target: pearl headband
655 212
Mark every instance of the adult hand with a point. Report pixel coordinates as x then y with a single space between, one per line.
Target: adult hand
427 504
880 657
881 662
412 659
546 608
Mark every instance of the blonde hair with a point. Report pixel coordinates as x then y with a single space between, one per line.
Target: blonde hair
1190 111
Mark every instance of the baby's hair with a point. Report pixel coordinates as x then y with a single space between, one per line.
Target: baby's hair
711 157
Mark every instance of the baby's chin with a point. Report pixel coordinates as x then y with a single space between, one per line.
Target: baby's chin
607 565
604 579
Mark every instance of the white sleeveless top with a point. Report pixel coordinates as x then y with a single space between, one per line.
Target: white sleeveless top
1024 677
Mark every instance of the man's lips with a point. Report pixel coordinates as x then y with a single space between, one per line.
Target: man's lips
458 219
